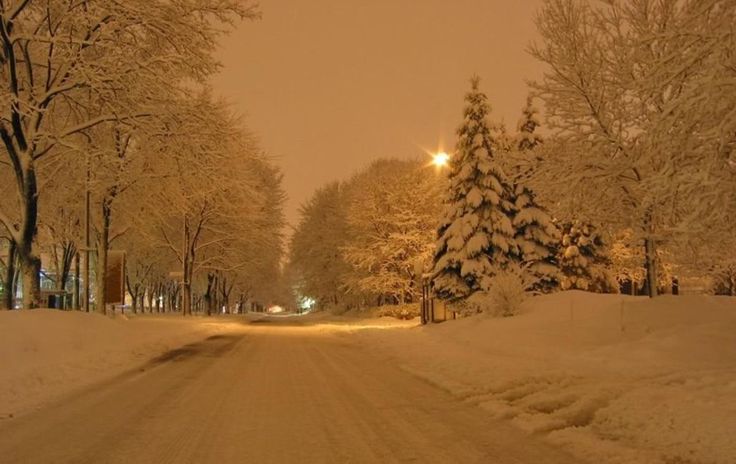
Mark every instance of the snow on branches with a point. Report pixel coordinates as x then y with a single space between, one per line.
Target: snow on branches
640 96
85 86
583 259
476 234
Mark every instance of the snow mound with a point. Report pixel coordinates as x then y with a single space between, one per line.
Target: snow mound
613 378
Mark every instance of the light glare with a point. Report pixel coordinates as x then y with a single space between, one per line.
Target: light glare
440 159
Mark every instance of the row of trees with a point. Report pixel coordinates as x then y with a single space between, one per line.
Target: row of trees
364 241
107 102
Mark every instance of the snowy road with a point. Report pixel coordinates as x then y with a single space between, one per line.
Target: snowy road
269 393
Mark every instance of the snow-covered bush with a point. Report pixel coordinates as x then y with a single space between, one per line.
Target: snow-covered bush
405 311
503 298
506 294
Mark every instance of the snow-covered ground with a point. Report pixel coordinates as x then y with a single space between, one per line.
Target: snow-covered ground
612 378
45 354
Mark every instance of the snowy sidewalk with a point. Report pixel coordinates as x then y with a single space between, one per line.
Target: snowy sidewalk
48 353
611 378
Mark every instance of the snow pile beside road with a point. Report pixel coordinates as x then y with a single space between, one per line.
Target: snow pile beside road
614 379
47 353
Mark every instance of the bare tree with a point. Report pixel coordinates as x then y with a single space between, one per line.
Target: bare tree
208 189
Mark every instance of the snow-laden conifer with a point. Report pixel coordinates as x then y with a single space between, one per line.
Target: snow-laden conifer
476 235
583 259
527 138
536 234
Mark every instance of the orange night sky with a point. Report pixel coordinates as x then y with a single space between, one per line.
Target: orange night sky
329 85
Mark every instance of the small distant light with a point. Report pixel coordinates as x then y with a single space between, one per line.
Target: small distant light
440 159
275 309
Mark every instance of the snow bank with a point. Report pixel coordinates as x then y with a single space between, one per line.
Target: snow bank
47 353
613 378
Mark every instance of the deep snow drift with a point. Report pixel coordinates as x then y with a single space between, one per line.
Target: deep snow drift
47 353
613 378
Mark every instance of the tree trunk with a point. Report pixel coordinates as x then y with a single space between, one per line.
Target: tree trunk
10 277
186 297
68 251
177 304
149 299
167 298
134 298
208 296
241 303
159 294
75 296
31 269
103 243
29 262
216 294
650 254
651 266
226 293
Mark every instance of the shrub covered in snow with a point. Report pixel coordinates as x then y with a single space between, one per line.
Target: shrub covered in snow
504 297
507 293
404 311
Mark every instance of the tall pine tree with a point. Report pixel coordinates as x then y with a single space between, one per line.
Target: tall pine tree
476 236
536 234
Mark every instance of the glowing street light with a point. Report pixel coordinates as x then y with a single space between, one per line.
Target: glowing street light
440 159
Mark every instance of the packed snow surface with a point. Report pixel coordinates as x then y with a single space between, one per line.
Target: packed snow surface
277 391
612 378
48 353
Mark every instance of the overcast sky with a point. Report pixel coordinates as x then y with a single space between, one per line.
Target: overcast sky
329 85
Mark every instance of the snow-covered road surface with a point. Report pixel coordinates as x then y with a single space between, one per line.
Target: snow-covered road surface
270 392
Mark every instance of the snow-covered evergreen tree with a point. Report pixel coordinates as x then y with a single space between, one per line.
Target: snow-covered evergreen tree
476 236
583 259
536 234
527 138
503 142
